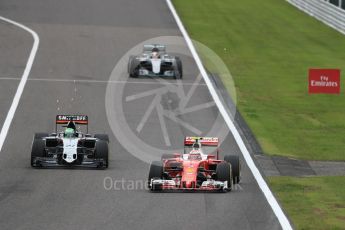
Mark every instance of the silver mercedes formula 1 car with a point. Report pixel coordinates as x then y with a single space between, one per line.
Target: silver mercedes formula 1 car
70 147
155 62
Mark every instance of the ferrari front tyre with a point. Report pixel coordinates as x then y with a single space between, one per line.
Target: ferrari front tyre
103 137
102 152
38 150
235 166
156 172
223 173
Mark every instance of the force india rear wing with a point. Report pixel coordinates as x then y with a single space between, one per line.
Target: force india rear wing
77 119
204 141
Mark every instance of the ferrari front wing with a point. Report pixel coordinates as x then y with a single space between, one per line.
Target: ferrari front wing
209 185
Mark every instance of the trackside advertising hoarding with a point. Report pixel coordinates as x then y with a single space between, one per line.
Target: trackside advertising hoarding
325 81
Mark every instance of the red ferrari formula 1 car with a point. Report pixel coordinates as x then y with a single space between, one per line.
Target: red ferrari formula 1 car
197 169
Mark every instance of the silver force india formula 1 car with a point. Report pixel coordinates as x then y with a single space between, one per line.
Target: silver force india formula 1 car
154 61
197 169
70 147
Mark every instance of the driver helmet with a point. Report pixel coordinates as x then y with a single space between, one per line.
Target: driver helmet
194 155
69 132
155 53
196 145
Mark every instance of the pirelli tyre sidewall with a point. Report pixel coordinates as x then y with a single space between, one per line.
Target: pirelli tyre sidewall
156 172
38 150
133 64
130 59
102 151
234 160
223 173
179 66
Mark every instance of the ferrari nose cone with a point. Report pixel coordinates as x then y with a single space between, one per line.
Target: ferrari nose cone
188 184
189 174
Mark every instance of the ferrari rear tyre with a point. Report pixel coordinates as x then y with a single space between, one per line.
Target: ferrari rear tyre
235 166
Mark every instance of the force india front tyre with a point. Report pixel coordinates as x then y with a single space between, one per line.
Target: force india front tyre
37 150
102 152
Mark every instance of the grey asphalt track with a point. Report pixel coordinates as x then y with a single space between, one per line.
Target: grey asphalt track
15 45
83 40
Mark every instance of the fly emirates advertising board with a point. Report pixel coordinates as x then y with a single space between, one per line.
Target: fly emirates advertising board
326 81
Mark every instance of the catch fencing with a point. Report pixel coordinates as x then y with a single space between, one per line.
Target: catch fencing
324 11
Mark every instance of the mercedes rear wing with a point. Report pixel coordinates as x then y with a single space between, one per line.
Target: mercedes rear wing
148 48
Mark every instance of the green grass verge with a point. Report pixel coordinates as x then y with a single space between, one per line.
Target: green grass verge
270 45
320 201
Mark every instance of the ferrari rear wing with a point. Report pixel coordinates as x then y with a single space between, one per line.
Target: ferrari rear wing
77 119
204 141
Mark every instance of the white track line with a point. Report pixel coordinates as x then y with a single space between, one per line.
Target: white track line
101 82
22 82
283 220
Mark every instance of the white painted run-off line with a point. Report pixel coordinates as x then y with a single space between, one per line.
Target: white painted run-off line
283 220
20 89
